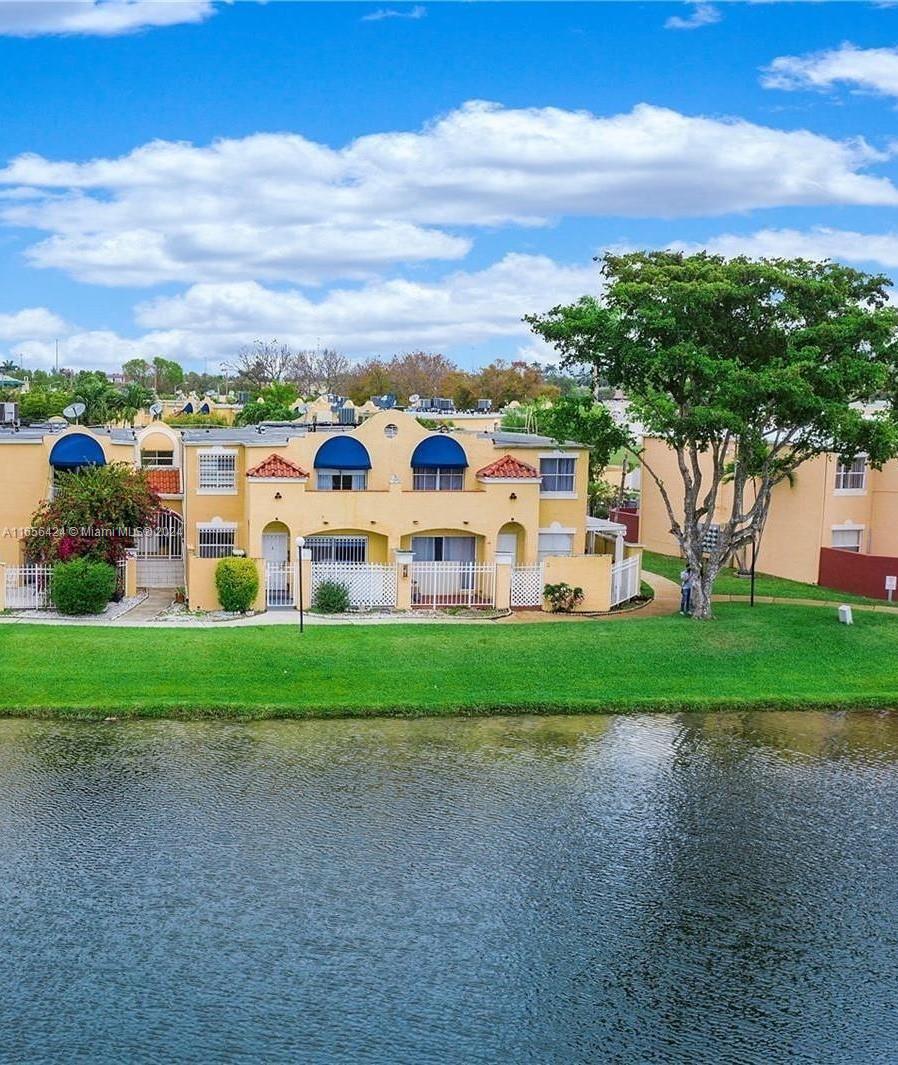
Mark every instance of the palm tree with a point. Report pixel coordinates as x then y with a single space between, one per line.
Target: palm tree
130 400
9 368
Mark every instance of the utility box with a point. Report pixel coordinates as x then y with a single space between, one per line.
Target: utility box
845 615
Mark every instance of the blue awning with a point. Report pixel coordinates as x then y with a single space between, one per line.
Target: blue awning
205 409
76 450
342 453
440 451
187 408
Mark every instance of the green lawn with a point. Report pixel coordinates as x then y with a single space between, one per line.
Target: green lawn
728 583
771 656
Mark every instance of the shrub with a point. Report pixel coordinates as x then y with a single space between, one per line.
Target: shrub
563 597
82 586
237 582
331 597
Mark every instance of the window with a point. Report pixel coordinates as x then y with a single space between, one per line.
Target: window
391 430
338 548
847 539
157 458
557 475
342 480
218 471
215 541
555 543
443 548
851 476
437 479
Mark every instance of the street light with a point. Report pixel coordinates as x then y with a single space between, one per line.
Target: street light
300 544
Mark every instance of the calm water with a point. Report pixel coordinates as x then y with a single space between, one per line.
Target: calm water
659 889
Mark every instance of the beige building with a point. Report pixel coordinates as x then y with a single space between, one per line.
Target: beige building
829 505
364 496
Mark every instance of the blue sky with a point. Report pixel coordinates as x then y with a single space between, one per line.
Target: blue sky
182 178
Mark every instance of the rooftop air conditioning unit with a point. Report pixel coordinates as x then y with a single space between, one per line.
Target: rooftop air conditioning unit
9 413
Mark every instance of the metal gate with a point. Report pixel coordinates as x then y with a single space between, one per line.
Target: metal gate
160 552
442 584
279 584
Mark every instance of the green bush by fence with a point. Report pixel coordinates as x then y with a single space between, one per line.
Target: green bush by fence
82 586
237 583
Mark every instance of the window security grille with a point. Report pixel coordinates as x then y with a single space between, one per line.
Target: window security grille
218 470
214 541
338 548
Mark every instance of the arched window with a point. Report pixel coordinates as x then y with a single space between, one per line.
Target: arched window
342 465
438 465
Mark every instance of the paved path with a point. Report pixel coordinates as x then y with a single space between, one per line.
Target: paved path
157 600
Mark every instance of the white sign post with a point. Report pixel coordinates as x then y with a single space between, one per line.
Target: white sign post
891 585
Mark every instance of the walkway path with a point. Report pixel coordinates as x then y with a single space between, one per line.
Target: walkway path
157 600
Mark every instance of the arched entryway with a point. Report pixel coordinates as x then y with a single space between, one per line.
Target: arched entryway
511 539
278 565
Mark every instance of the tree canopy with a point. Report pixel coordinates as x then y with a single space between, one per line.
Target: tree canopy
746 369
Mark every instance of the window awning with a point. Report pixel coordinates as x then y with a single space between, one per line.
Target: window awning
342 453
76 450
205 409
187 408
440 451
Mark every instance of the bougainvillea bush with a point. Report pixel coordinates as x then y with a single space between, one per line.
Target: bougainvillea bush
95 513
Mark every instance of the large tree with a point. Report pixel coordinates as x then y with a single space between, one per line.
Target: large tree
745 369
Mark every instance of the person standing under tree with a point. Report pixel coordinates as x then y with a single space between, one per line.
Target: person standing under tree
686 582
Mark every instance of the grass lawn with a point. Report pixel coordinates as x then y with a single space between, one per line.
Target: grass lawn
772 656
728 583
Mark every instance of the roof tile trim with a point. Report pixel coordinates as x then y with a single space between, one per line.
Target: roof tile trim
509 467
277 466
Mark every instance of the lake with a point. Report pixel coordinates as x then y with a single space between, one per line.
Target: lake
691 888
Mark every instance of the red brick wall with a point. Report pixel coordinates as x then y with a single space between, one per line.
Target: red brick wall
861 574
630 518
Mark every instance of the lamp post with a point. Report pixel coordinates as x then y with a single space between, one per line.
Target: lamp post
300 544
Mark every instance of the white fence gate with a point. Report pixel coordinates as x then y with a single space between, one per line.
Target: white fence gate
279 590
441 584
28 587
160 553
527 586
370 584
625 578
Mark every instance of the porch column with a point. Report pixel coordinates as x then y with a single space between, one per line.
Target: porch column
403 579
261 601
130 573
503 580
619 547
2 585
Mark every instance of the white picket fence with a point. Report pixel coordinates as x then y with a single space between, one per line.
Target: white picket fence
370 584
441 584
625 578
28 587
527 586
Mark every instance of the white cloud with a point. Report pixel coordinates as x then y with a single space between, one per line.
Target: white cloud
31 323
416 12
821 242
101 18
701 15
863 69
214 320
280 207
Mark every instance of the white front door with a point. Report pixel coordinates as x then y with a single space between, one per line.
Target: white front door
508 542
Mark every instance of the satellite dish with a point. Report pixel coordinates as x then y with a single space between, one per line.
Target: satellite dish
156 409
414 398
74 410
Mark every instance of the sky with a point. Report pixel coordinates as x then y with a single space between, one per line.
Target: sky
183 177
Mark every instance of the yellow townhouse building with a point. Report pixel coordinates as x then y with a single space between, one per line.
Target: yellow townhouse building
361 496
831 525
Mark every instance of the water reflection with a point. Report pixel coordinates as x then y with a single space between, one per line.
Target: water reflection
693 888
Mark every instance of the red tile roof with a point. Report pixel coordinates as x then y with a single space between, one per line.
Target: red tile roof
276 466
166 482
509 467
